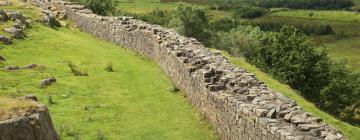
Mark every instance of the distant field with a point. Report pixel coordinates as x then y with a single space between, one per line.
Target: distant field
146 6
348 49
342 16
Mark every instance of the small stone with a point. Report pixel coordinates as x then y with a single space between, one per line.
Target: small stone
330 136
261 112
271 113
307 127
315 132
13 15
30 66
47 82
15 33
30 97
5 40
11 67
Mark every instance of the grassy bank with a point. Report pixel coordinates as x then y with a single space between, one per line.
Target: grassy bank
352 132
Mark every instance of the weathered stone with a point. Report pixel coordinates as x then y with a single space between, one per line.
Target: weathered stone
3 15
15 33
5 40
30 66
307 127
29 97
47 82
50 19
315 132
33 125
271 113
330 136
5 3
11 67
13 15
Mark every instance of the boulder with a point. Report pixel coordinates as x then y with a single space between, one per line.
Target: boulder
50 19
13 15
15 33
47 82
20 24
3 16
4 3
5 40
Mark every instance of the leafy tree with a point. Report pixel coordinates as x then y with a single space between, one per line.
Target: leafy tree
101 7
191 22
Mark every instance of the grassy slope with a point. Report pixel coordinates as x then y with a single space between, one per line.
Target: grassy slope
350 131
134 102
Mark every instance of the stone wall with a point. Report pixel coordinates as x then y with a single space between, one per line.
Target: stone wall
237 105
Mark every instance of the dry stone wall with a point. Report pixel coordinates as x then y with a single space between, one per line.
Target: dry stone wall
237 105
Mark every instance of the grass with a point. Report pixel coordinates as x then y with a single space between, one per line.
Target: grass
340 16
146 6
352 132
348 49
133 102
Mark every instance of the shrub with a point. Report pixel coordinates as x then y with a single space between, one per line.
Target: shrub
191 22
76 71
224 24
157 17
250 12
109 67
101 7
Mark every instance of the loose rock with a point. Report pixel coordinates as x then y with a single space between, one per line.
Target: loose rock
15 33
11 67
47 82
50 19
29 97
5 40
30 66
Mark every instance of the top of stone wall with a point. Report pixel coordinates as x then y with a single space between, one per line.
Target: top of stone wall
280 115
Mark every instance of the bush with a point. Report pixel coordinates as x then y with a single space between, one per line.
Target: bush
109 67
224 24
101 7
341 96
158 17
250 12
191 22
76 71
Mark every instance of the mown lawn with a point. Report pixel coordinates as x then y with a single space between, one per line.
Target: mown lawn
343 16
352 132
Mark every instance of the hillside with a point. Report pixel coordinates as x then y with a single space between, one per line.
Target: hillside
136 101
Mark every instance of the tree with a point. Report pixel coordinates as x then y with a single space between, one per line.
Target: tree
101 7
191 22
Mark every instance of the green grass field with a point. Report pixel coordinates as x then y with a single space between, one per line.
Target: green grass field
348 49
340 16
134 102
352 132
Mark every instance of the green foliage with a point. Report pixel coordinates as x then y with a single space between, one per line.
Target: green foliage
341 96
293 59
250 12
101 7
306 27
191 22
224 24
109 67
157 16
